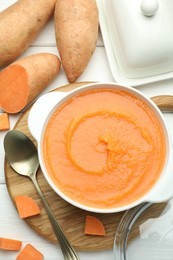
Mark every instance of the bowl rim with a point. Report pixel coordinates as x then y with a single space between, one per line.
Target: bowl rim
94 85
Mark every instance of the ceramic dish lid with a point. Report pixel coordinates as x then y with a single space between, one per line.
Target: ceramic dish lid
146 232
138 39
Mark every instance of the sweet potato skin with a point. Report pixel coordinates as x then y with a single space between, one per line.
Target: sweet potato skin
76 30
42 68
20 23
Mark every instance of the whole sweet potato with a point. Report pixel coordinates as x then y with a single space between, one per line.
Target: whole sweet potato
76 30
20 24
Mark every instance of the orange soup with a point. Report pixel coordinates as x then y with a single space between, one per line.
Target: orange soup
104 148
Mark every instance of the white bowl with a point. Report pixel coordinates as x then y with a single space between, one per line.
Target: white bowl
45 106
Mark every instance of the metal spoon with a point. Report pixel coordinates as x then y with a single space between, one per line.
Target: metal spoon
21 154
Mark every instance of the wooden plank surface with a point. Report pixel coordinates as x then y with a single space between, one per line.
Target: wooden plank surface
98 70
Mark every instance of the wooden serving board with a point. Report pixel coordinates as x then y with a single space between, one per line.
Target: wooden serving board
71 219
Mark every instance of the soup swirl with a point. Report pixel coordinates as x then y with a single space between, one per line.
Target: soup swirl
104 148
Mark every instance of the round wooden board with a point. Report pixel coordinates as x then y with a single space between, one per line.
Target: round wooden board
71 219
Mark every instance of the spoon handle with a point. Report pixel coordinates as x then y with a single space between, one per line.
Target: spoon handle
67 250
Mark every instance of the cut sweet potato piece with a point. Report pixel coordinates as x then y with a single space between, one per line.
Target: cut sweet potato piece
10 244
25 79
4 122
30 253
93 226
26 206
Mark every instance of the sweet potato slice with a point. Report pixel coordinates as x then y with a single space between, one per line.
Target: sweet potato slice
93 226
20 24
26 206
10 244
4 122
25 79
76 30
30 253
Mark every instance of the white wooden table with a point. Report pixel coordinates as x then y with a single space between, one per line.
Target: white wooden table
11 225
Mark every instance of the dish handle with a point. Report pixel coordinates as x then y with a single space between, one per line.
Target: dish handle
165 104
40 111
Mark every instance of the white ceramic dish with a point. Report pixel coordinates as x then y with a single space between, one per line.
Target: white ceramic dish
145 231
48 103
138 47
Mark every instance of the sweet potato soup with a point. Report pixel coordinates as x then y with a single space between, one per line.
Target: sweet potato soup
104 148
